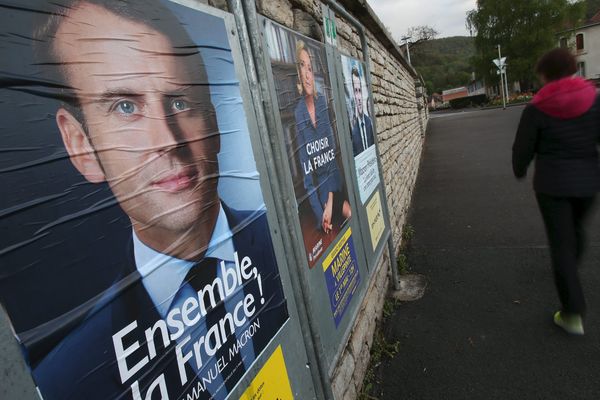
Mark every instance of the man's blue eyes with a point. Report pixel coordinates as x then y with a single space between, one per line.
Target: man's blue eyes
180 105
127 107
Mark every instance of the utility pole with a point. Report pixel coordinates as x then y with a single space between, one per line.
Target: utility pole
406 43
506 82
501 78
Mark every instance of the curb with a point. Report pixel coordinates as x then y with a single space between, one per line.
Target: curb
508 105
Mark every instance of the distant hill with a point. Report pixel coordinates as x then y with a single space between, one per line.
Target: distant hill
444 63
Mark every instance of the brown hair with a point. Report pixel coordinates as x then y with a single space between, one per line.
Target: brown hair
556 64
150 13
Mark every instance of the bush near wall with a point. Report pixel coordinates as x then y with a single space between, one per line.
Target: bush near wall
469 101
521 98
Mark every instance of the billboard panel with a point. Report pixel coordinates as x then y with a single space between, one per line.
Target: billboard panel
136 257
305 99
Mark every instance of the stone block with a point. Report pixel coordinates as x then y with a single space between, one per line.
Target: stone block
342 376
280 11
220 4
358 339
305 24
343 28
351 393
311 6
362 363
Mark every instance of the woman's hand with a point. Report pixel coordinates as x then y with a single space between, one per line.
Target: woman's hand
327 214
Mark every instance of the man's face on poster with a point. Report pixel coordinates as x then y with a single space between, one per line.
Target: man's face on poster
357 90
147 129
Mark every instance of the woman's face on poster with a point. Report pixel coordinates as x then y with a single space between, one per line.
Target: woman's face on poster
306 73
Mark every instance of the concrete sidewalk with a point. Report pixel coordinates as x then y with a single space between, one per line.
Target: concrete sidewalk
484 328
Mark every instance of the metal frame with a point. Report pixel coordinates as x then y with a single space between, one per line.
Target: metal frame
317 320
376 253
241 48
335 72
285 204
367 60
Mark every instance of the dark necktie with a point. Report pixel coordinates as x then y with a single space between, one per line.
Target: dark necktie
202 274
363 134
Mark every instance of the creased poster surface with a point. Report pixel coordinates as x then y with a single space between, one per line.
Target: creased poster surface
305 99
361 127
136 259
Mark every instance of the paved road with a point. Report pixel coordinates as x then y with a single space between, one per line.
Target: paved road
484 328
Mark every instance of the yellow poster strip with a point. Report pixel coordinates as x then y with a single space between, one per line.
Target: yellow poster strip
271 382
334 252
375 218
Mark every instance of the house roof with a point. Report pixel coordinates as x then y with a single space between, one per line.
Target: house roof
595 19
589 24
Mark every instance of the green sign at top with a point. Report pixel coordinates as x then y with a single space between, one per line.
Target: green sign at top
330 30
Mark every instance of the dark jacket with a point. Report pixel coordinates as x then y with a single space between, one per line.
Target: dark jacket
357 144
318 153
561 129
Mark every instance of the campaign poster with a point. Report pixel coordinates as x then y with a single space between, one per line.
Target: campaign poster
136 260
375 219
341 275
362 132
305 99
272 381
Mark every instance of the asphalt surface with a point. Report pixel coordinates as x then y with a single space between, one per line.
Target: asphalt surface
484 328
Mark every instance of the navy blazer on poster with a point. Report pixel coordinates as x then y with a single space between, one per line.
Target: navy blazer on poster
323 179
357 145
84 366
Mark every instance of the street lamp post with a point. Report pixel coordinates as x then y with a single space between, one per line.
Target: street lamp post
500 67
406 43
506 82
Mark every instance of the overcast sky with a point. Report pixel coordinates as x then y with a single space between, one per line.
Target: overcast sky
446 16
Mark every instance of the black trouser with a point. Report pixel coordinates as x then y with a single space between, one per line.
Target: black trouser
564 219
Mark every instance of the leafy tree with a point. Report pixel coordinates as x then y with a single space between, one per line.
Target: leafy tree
421 33
524 30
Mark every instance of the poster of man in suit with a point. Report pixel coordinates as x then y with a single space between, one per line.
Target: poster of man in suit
361 131
136 258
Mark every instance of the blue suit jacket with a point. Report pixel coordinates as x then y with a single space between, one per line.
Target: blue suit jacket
84 366
357 145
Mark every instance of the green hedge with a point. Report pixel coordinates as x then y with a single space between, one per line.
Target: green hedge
468 101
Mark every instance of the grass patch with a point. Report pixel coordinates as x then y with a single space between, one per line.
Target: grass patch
407 233
381 350
402 261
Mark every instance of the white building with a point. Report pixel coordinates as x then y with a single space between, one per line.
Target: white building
584 41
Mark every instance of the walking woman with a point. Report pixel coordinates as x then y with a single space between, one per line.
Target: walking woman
561 129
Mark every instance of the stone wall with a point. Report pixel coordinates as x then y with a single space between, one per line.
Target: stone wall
400 123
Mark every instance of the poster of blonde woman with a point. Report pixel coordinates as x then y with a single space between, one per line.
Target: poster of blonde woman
304 95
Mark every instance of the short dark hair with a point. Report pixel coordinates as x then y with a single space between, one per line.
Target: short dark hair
151 13
556 64
355 72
